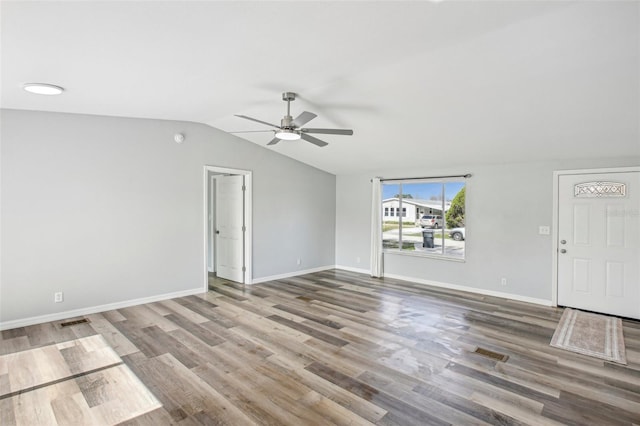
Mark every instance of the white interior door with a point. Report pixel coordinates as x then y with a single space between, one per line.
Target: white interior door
598 242
230 227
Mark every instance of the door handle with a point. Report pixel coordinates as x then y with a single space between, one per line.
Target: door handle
563 251
217 232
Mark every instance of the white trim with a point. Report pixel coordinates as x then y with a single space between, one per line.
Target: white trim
398 252
95 309
205 197
211 258
500 294
555 220
554 240
292 274
350 269
248 235
598 171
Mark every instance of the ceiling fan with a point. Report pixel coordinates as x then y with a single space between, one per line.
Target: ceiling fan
291 129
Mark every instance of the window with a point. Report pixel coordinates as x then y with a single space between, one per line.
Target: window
429 220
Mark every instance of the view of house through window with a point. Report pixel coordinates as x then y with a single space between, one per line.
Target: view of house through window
424 217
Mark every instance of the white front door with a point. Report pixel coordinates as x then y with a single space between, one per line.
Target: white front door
230 227
599 242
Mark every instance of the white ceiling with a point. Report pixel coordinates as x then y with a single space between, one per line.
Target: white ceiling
421 83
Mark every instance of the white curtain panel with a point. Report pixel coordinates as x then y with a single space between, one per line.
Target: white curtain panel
376 228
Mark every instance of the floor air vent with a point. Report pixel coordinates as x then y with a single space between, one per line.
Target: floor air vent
490 354
75 322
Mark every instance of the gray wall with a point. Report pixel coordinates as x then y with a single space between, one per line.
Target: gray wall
505 206
111 209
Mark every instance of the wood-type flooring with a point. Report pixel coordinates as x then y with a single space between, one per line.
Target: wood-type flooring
337 347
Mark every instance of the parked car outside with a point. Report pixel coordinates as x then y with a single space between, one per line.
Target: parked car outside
457 234
430 221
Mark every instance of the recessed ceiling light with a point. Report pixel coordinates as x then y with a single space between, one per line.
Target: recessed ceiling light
43 89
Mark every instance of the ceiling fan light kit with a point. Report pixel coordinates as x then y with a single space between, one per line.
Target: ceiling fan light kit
291 129
287 135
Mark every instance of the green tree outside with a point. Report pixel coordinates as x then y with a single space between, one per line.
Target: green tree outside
455 214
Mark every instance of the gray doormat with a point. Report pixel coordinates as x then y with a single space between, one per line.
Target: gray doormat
591 334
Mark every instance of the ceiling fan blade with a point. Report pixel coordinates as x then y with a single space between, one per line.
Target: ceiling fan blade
274 141
347 132
257 121
303 118
252 131
313 140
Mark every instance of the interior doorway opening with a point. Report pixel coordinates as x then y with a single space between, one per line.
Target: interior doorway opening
227 213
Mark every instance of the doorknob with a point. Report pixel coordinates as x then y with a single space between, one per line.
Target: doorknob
217 232
563 241
563 251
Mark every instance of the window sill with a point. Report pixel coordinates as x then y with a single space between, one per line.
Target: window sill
424 255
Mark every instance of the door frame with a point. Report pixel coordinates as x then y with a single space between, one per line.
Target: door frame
555 220
211 223
248 234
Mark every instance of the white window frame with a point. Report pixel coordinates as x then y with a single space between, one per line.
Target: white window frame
399 250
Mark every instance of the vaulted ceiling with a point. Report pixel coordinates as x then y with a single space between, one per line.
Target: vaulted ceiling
421 83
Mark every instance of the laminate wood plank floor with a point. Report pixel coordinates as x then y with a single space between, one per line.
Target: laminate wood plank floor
81 381
337 347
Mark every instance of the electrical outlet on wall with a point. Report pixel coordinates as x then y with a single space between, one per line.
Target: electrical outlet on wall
358 259
503 281
544 230
58 297
298 261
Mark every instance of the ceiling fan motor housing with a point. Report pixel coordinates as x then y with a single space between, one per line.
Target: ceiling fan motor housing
286 122
288 96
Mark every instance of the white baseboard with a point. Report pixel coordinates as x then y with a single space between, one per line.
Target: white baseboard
485 292
350 269
95 309
291 274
